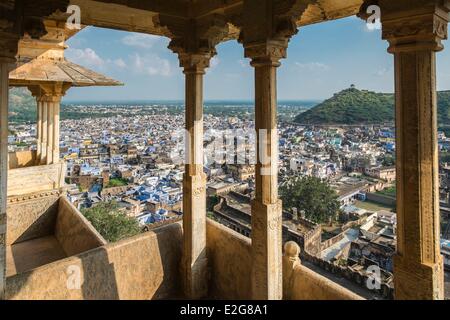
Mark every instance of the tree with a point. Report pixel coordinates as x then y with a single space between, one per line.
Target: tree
311 195
112 224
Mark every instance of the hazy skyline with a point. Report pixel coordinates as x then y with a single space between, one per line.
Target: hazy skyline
322 59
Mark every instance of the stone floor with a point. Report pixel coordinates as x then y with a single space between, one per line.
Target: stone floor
28 255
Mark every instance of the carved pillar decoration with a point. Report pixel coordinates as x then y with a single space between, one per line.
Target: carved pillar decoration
39 131
194 261
4 74
44 149
266 207
194 41
48 99
9 39
265 34
414 30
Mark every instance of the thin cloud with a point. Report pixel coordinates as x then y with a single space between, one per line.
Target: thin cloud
151 65
87 57
313 66
215 61
383 71
140 40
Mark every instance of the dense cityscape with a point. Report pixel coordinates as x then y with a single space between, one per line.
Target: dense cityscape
127 158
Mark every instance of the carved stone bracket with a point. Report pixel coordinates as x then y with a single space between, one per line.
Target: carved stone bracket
194 40
24 17
267 31
412 25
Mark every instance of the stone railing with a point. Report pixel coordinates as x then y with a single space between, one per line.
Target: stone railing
22 159
33 179
230 259
147 267
359 277
142 267
301 283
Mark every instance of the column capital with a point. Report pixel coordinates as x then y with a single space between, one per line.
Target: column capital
195 40
267 52
49 92
8 46
414 25
192 62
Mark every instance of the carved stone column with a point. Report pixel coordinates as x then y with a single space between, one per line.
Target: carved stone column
50 120
44 144
39 132
414 37
195 264
8 48
266 207
48 99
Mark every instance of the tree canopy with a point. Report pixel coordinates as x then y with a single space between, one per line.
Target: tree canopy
110 222
311 195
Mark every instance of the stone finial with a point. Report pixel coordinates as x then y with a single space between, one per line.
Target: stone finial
292 251
291 261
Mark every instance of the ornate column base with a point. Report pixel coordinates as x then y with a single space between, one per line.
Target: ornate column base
267 279
194 261
413 281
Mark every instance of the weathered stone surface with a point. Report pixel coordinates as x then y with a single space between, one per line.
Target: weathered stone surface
143 267
21 159
301 283
415 30
73 231
31 217
230 262
35 179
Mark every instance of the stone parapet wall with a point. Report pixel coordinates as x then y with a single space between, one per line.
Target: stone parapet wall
142 267
230 261
22 159
73 231
29 180
358 277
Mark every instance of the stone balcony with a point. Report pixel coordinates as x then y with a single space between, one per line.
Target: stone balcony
147 266
47 238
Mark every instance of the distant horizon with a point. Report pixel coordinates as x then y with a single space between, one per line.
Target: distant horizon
178 101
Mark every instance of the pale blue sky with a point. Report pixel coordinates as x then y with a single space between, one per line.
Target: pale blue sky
322 59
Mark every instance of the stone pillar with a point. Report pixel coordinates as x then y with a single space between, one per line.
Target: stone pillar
195 264
39 132
50 132
414 38
4 90
266 207
56 126
48 99
44 149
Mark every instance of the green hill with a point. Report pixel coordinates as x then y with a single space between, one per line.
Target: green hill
22 105
353 106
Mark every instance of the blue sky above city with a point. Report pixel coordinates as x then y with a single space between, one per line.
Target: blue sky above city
322 59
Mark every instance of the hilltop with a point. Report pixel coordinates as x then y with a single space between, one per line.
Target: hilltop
353 106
